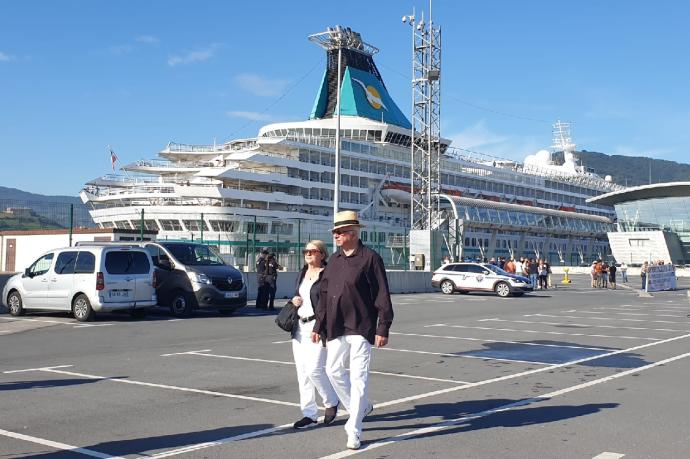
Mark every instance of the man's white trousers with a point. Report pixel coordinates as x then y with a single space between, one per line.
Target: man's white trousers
352 388
310 361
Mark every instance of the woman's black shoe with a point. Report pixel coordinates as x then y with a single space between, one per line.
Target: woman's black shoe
304 423
331 413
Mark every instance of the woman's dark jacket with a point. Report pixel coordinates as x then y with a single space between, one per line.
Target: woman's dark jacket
314 293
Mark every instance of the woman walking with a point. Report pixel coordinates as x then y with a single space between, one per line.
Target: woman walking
310 358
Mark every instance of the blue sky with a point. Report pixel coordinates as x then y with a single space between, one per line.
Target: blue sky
77 76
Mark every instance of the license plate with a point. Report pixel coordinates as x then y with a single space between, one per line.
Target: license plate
232 294
119 293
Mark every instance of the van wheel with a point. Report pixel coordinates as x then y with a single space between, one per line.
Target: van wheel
447 287
181 304
138 313
15 305
502 289
81 308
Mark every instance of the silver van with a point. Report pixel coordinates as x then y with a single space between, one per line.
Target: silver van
85 280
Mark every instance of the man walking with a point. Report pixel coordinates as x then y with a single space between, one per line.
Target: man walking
354 313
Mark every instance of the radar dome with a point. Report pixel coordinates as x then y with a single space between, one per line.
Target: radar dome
608 178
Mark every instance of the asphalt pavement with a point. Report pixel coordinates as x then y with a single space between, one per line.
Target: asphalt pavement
569 372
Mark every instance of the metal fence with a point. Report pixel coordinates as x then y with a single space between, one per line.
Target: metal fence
18 214
240 241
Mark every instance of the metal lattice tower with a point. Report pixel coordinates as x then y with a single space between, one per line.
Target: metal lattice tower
426 123
562 140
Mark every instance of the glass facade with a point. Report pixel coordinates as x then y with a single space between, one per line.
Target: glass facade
668 214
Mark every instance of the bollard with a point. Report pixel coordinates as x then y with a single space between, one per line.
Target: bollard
566 279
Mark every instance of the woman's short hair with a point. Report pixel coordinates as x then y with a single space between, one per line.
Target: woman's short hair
321 246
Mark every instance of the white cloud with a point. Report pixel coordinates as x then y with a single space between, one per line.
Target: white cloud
119 50
254 116
191 57
478 138
148 39
260 86
5 57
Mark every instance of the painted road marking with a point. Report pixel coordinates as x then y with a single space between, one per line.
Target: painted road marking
160 386
286 362
542 332
272 430
608 318
584 325
501 341
445 354
56 445
626 313
607 455
520 403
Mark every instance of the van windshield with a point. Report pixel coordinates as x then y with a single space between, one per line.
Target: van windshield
194 254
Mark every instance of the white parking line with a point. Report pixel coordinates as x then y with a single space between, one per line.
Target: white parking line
542 332
627 313
271 430
445 354
608 318
520 403
56 445
25 319
285 362
160 386
501 341
585 325
607 455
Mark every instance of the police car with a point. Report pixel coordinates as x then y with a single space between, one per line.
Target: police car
484 277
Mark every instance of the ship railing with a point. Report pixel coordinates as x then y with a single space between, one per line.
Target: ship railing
241 144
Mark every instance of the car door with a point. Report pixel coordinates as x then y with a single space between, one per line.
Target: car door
61 281
476 277
141 270
459 277
35 282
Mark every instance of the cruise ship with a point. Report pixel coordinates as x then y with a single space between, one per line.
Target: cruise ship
276 190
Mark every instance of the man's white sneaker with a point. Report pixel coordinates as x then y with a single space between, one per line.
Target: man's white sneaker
353 442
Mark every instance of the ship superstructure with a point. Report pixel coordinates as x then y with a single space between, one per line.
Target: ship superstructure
277 188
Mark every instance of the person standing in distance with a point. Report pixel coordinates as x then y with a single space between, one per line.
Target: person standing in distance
354 313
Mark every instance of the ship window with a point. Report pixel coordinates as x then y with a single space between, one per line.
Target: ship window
261 228
171 225
123 224
346 180
363 236
151 225
193 225
281 228
224 225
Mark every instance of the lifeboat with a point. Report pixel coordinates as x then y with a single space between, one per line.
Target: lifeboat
397 192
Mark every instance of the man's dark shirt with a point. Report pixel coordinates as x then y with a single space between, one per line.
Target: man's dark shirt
354 296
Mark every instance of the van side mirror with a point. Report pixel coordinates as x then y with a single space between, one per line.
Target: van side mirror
27 273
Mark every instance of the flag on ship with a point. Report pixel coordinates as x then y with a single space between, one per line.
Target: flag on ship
113 158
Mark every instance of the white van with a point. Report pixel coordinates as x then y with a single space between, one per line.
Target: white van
85 280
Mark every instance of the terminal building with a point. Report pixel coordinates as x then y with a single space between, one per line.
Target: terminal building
653 223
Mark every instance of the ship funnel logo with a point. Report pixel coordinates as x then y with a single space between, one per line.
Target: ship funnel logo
373 96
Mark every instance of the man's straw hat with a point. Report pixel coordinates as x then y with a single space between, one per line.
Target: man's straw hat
346 218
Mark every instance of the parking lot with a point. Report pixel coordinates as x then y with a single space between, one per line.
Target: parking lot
571 372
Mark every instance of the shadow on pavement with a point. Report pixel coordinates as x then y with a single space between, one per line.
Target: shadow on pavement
555 352
516 417
45 384
147 445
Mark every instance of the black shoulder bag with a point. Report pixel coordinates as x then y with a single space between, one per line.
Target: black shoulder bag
287 317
